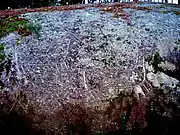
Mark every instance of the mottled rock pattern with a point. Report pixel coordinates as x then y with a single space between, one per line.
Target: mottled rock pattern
87 55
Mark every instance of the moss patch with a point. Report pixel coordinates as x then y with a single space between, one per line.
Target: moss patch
21 25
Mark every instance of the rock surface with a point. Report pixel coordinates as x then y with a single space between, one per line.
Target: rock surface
162 80
87 55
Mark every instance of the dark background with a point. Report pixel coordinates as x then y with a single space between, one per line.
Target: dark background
4 4
14 3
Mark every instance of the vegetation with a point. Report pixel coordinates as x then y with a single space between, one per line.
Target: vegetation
176 12
2 55
154 60
11 24
173 11
164 12
162 6
5 63
15 114
8 25
21 25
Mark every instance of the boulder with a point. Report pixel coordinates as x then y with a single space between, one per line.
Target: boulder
162 80
167 66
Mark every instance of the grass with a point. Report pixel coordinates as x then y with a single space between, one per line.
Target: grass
21 25
9 25
34 28
12 24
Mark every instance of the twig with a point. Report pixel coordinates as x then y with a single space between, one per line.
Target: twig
24 109
17 101
145 88
12 106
